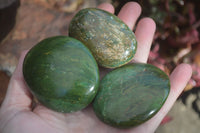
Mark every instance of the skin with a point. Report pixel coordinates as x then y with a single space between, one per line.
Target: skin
17 116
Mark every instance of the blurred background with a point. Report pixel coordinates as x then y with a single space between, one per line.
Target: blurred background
177 39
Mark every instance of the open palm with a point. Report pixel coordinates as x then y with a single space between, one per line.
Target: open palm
17 116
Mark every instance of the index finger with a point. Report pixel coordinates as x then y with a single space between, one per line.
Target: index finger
107 7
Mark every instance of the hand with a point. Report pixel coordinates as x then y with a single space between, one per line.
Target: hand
17 116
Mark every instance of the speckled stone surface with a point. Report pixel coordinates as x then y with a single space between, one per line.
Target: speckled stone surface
111 41
130 95
61 73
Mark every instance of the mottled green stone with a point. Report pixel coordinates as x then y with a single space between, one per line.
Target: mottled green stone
61 73
109 39
130 95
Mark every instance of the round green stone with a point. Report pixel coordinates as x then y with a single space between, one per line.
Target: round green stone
109 39
61 73
130 95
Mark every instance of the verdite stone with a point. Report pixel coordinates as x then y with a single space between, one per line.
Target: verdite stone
130 95
110 40
61 73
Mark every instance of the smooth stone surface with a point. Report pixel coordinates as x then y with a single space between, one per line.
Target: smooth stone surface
61 73
130 95
111 41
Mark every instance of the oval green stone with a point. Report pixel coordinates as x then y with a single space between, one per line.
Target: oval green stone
109 39
61 73
130 95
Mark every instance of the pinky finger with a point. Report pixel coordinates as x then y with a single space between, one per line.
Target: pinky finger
179 78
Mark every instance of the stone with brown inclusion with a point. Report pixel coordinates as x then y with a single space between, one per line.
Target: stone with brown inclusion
109 39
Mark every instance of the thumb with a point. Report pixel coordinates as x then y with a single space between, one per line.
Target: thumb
18 95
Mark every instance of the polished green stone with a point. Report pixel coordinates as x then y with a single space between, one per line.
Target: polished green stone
109 39
130 95
61 73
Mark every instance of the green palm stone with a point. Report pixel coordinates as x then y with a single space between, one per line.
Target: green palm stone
61 73
109 39
131 94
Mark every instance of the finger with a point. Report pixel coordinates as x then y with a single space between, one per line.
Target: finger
107 7
178 79
130 13
144 34
17 95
